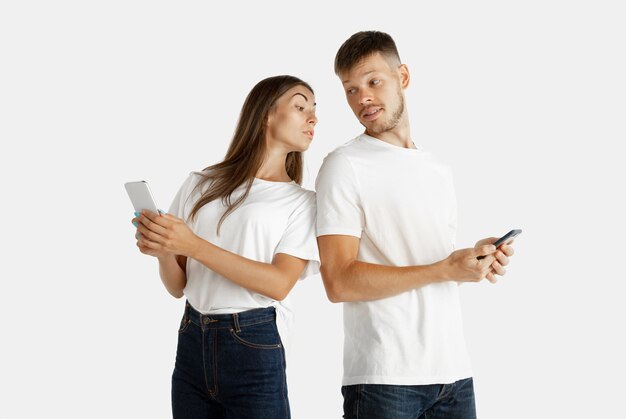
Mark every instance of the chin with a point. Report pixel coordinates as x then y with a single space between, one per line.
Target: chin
299 149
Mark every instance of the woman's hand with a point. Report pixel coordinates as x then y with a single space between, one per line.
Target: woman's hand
142 243
163 234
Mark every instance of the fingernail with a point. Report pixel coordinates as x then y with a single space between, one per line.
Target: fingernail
135 224
138 235
161 211
137 214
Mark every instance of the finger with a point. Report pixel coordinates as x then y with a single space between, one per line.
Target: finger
507 249
150 224
484 250
491 278
501 258
170 217
490 240
486 261
149 244
152 235
154 218
497 268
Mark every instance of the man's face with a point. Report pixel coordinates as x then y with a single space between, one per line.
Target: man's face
374 93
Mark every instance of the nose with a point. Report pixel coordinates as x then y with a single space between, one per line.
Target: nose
312 119
365 96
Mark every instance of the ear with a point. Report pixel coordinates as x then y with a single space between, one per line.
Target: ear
405 76
270 117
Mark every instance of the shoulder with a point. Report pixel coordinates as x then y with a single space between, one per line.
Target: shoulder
346 149
341 158
305 197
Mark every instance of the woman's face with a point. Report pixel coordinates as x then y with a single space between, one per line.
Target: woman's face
291 123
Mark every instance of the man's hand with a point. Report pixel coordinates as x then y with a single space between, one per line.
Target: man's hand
502 255
464 266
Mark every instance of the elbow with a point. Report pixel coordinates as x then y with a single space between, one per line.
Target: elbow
177 293
279 295
281 292
334 292
334 297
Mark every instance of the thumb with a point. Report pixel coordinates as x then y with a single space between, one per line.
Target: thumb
484 250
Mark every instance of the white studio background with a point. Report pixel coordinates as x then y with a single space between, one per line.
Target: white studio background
525 100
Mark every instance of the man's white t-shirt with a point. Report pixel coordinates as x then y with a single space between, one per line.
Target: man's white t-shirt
401 203
276 217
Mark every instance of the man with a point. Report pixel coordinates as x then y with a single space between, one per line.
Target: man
386 227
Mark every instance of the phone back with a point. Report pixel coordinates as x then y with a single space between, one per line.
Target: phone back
140 196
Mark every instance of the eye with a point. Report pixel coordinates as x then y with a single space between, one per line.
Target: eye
375 82
300 108
351 91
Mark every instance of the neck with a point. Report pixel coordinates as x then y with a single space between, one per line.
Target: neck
273 167
399 136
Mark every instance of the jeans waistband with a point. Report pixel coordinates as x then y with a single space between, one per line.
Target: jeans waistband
230 321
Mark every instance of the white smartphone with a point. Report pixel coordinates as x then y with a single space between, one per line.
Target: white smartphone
140 196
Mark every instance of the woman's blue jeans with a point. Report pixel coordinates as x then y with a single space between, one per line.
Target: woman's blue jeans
229 366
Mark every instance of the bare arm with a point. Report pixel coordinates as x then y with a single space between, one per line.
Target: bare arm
347 279
274 280
170 234
172 269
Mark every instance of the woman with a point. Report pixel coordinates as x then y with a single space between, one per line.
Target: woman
237 237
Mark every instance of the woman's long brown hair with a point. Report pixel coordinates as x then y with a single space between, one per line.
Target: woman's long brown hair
247 148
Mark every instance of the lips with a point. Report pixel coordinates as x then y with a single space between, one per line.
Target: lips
371 113
309 133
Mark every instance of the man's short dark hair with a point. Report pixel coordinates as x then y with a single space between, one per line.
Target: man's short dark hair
362 45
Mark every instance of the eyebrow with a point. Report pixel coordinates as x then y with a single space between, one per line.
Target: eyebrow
305 98
346 81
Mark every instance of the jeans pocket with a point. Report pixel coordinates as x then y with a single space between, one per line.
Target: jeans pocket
184 323
259 336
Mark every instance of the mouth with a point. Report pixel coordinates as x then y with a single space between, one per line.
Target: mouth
371 113
309 133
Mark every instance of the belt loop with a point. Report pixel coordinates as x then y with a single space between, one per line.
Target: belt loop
236 321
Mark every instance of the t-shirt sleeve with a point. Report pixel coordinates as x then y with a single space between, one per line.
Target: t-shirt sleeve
299 237
339 209
177 208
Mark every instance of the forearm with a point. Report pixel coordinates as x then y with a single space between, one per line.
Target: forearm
172 275
361 281
263 278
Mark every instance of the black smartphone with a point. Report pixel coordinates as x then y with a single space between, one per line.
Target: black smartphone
506 239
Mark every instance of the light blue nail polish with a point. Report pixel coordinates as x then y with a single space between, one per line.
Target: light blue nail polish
135 224
162 212
137 214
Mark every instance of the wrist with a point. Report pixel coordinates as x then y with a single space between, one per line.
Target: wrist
196 247
441 271
166 258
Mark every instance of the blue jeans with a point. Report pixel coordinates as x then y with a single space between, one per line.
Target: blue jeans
433 401
229 366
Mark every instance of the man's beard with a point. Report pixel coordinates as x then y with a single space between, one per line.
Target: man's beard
393 121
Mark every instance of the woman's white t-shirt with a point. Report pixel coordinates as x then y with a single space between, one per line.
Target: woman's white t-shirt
276 217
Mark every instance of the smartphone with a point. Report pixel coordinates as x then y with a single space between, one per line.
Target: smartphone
506 239
140 196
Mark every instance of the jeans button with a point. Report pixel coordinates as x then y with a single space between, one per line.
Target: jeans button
205 320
